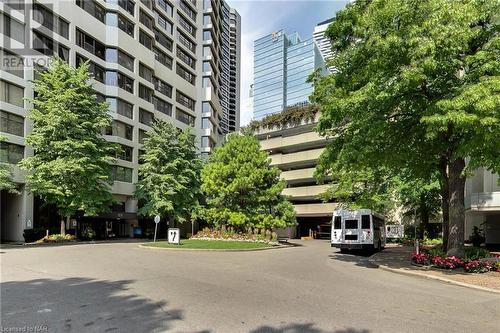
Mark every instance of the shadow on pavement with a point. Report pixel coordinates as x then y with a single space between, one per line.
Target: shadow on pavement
303 328
81 305
359 258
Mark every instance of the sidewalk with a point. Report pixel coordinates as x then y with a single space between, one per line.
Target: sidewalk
398 260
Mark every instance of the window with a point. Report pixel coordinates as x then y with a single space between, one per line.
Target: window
12 28
187 26
125 153
186 42
206 83
186 58
337 222
121 107
184 117
163 40
118 20
90 44
11 123
97 71
11 63
186 9
148 3
93 9
121 58
165 6
11 153
207 52
206 142
164 23
122 174
365 221
163 87
145 72
120 129
351 224
142 135
185 100
206 107
162 106
163 58
145 93
207 19
207 67
207 35
118 79
51 21
11 93
185 74
146 117
47 46
146 19
128 5
145 39
206 124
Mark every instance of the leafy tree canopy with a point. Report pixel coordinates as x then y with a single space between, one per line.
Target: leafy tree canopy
70 165
169 176
242 189
416 87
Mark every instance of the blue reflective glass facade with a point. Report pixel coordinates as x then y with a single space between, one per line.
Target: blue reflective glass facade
282 65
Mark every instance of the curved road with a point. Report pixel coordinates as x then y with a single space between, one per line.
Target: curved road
119 287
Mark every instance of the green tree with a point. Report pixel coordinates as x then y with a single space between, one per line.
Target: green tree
169 183
6 182
242 189
70 164
416 87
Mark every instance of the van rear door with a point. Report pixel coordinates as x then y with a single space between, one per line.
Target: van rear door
351 232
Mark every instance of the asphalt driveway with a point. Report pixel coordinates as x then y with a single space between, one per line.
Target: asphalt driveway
310 288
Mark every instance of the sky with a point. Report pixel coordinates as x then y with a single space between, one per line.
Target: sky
262 17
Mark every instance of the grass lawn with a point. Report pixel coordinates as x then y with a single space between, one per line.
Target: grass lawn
205 244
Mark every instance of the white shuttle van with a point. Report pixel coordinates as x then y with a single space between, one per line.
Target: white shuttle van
358 229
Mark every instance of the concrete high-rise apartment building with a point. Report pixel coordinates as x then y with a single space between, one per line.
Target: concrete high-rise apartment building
149 59
282 64
322 42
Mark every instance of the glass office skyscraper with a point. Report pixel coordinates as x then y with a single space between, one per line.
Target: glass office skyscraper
282 64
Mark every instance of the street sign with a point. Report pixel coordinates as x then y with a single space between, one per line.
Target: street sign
174 235
157 220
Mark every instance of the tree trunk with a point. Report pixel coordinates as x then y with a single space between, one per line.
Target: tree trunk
424 218
456 208
445 203
63 227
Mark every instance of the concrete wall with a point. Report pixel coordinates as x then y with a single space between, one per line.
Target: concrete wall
15 212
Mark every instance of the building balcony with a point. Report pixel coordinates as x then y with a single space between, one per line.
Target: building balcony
306 158
305 192
315 209
485 201
300 140
298 175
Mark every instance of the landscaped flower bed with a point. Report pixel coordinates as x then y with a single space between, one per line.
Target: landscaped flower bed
254 235
475 261
56 238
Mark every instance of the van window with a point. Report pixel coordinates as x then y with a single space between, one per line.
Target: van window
365 221
351 224
337 222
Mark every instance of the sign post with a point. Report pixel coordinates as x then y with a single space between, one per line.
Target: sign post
174 236
157 220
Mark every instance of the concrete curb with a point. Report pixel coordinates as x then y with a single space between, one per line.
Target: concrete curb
216 250
432 277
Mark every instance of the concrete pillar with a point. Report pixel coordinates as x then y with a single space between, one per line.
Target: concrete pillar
16 214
